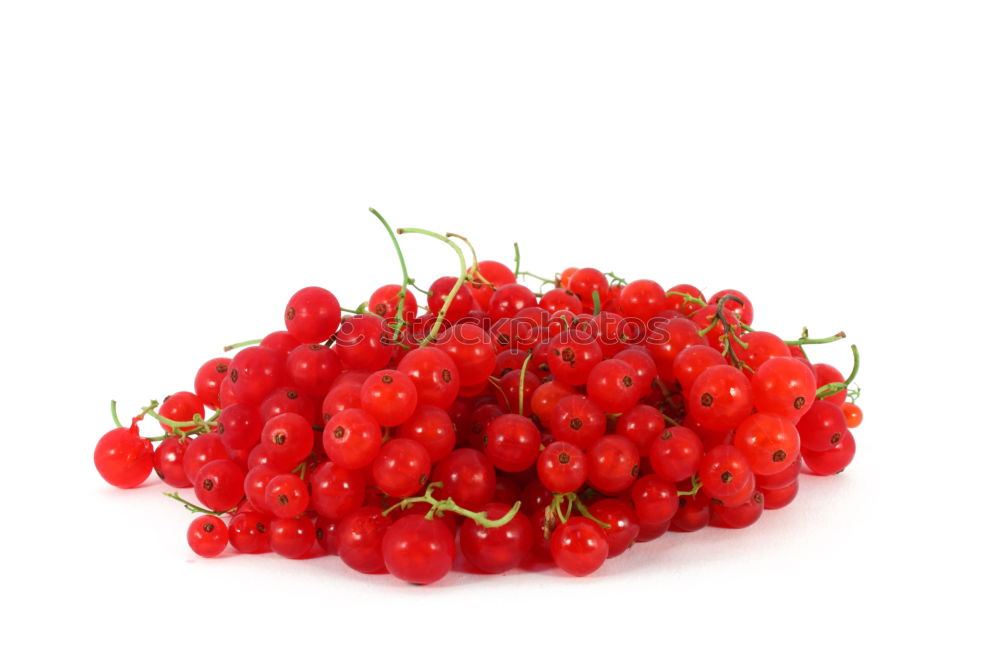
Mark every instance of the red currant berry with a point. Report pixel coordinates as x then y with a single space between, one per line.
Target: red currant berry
401 468
209 380
384 302
336 491
512 443
612 385
676 454
313 368
312 315
562 467
612 464
418 550
286 496
292 537
123 458
248 532
363 343
208 536
359 539
352 438
168 462
832 460
577 420
219 485
181 406
255 372
623 523
822 427
724 471
769 442
434 375
720 398
468 477
784 386
495 550
579 546
432 428
471 349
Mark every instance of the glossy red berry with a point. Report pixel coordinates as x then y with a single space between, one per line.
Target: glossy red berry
352 438
471 349
255 372
208 536
579 546
219 485
209 381
720 398
512 443
562 467
313 368
724 471
335 491
418 550
495 550
123 458
168 462
612 464
182 406
401 468
248 532
832 460
286 496
676 454
292 537
312 315
364 343
623 524
468 477
389 397
822 427
434 374
613 386
784 386
770 443
384 302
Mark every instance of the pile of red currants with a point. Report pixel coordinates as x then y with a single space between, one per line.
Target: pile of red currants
516 426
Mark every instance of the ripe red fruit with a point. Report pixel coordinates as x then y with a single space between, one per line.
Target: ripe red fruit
123 458
207 535
770 443
512 443
418 550
389 397
720 398
181 406
495 550
209 380
579 546
562 467
401 468
470 348
312 315
642 299
434 374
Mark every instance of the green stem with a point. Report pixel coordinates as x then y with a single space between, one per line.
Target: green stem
695 487
440 506
406 275
827 390
517 259
474 269
194 508
454 290
817 341
688 298
597 303
245 343
520 386
537 277
114 414
357 312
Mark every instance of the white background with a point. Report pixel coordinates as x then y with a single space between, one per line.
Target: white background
171 172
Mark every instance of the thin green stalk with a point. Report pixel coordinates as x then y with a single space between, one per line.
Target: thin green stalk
406 276
432 335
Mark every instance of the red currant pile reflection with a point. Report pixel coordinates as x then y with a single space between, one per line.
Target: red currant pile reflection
508 424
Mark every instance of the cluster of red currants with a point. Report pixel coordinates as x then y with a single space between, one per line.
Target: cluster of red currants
563 424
